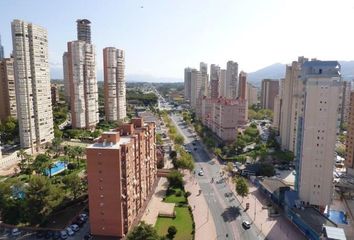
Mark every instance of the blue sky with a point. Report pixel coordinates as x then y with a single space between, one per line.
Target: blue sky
165 36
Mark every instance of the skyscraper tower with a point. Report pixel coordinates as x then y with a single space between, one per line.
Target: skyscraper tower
231 83
32 84
2 55
81 66
317 129
214 81
84 30
114 84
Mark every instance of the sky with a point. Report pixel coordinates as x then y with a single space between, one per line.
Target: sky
162 37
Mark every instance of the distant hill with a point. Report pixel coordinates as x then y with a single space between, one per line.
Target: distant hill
277 71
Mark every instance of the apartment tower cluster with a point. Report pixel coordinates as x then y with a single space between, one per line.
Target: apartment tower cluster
220 102
121 169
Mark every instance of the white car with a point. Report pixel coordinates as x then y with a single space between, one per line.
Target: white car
15 232
69 231
201 173
75 227
63 234
246 224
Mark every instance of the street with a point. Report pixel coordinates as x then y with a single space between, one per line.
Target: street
223 205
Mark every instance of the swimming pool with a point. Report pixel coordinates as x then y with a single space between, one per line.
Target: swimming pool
337 217
58 167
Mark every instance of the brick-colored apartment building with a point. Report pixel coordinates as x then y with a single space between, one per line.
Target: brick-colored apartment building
121 169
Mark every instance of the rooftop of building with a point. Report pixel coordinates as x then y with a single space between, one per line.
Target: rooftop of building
148 116
313 218
318 63
111 145
84 21
272 184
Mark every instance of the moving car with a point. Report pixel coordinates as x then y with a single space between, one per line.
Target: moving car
201 173
246 224
15 232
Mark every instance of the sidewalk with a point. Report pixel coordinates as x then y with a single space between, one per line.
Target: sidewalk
271 227
204 223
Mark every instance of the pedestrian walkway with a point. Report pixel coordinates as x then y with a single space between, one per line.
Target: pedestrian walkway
271 227
204 223
156 204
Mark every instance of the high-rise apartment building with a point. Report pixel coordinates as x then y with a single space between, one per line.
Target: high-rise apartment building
7 89
187 83
66 77
2 54
347 87
84 30
232 79
276 112
270 88
223 85
291 97
214 81
203 68
55 94
81 59
317 129
121 170
114 84
32 84
252 94
224 116
196 87
349 154
242 88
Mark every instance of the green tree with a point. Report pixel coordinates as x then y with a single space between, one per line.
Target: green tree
143 232
229 167
179 139
242 187
26 160
173 154
73 184
9 131
172 230
56 146
175 179
159 139
217 151
41 163
240 144
41 198
185 161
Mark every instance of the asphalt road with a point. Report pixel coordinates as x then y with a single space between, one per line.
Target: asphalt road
223 205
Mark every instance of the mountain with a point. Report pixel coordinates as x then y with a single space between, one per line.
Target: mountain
277 71
274 71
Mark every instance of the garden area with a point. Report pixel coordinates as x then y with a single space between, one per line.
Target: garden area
43 185
183 220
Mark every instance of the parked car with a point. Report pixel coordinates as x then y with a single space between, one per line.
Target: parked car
63 234
69 231
75 227
201 173
79 222
246 224
56 235
15 232
84 216
48 235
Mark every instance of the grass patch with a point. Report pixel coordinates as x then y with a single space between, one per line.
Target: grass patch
175 195
183 222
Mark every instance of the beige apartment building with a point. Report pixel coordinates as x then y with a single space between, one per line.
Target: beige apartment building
242 87
270 88
349 154
32 84
223 84
66 77
224 116
122 170
187 83
81 59
231 80
252 94
7 89
318 125
196 87
291 96
276 112
347 88
114 84
214 81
